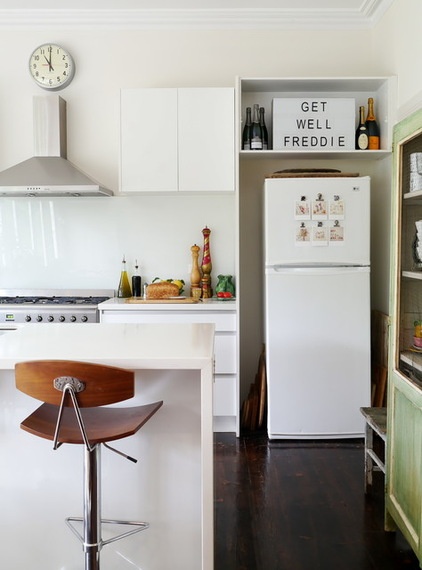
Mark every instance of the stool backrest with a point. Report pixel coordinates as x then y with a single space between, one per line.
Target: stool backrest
103 384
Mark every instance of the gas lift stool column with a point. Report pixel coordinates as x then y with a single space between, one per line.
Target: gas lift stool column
75 396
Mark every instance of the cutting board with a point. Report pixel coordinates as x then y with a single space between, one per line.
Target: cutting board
174 300
312 173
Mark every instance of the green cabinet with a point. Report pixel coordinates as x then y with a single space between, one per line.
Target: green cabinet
404 428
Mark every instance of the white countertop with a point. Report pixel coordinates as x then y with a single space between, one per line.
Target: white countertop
137 346
212 304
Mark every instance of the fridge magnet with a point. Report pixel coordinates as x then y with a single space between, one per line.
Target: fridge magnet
302 209
303 235
319 208
337 234
336 209
319 234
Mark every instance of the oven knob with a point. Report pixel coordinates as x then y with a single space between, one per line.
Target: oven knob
72 318
50 318
28 318
84 318
62 318
39 318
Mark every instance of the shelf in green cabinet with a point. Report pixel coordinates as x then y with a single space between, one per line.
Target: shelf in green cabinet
412 275
413 197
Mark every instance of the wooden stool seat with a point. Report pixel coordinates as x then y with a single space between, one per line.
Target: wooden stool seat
77 408
102 424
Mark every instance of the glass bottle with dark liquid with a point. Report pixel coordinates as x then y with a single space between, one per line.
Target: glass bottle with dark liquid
256 133
361 142
136 281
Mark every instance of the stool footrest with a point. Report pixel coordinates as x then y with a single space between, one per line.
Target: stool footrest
139 526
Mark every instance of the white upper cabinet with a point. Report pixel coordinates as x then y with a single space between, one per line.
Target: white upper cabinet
177 140
148 144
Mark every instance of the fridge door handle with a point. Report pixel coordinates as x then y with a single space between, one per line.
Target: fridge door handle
317 269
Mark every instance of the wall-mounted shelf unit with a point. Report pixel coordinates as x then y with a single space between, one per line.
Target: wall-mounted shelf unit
264 90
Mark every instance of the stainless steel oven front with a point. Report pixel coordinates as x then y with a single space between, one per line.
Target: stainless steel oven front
24 306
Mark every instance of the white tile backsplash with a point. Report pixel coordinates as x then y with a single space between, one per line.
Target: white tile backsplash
79 242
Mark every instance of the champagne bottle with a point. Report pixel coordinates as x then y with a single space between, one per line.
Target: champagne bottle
246 135
123 289
372 127
136 281
361 141
264 131
256 135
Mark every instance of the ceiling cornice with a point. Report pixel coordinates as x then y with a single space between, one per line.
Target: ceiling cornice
369 13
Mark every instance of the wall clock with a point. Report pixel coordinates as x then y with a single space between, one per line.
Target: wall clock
51 67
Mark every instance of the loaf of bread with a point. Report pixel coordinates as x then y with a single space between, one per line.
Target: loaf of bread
162 290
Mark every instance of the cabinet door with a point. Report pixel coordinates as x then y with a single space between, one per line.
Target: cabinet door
148 143
206 139
404 418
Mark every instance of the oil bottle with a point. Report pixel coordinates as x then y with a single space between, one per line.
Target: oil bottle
123 289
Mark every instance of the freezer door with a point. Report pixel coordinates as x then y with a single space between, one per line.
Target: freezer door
317 220
318 352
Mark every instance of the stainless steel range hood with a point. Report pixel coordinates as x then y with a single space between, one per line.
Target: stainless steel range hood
49 173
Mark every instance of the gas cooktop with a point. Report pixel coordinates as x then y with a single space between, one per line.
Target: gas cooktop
37 300
49 306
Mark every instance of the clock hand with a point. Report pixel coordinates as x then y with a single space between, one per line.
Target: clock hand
50 67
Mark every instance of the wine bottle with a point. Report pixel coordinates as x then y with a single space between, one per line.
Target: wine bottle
136 281
264 131
372 127
256 134
361 141
123 290
246 135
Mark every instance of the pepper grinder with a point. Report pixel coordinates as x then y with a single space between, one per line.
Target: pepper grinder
206 265
195 276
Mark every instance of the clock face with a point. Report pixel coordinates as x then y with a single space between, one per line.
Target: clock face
51 67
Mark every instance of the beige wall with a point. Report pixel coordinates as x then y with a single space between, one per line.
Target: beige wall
396 49
108 60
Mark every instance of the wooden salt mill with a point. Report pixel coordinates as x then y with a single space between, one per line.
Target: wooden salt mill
195 276
206 265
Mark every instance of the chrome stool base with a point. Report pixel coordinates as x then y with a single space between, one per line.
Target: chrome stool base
140 526
91 537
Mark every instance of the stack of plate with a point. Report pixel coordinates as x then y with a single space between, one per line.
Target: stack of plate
415 183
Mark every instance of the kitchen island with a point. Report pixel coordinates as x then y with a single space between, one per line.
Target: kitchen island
171 486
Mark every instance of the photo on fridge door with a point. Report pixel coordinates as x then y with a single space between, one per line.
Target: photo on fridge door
319 208
303 235
320 235
336 209
302 209
336 234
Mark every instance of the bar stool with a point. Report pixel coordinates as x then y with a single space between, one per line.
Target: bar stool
88 389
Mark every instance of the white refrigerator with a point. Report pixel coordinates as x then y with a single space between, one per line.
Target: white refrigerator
317 306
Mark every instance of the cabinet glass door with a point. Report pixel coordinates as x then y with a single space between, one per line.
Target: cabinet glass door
409 255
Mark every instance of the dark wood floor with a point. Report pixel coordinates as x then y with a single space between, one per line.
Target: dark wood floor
299 506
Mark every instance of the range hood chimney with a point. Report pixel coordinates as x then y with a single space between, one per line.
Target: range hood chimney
49 173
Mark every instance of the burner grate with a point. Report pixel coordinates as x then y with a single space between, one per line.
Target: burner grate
18 300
